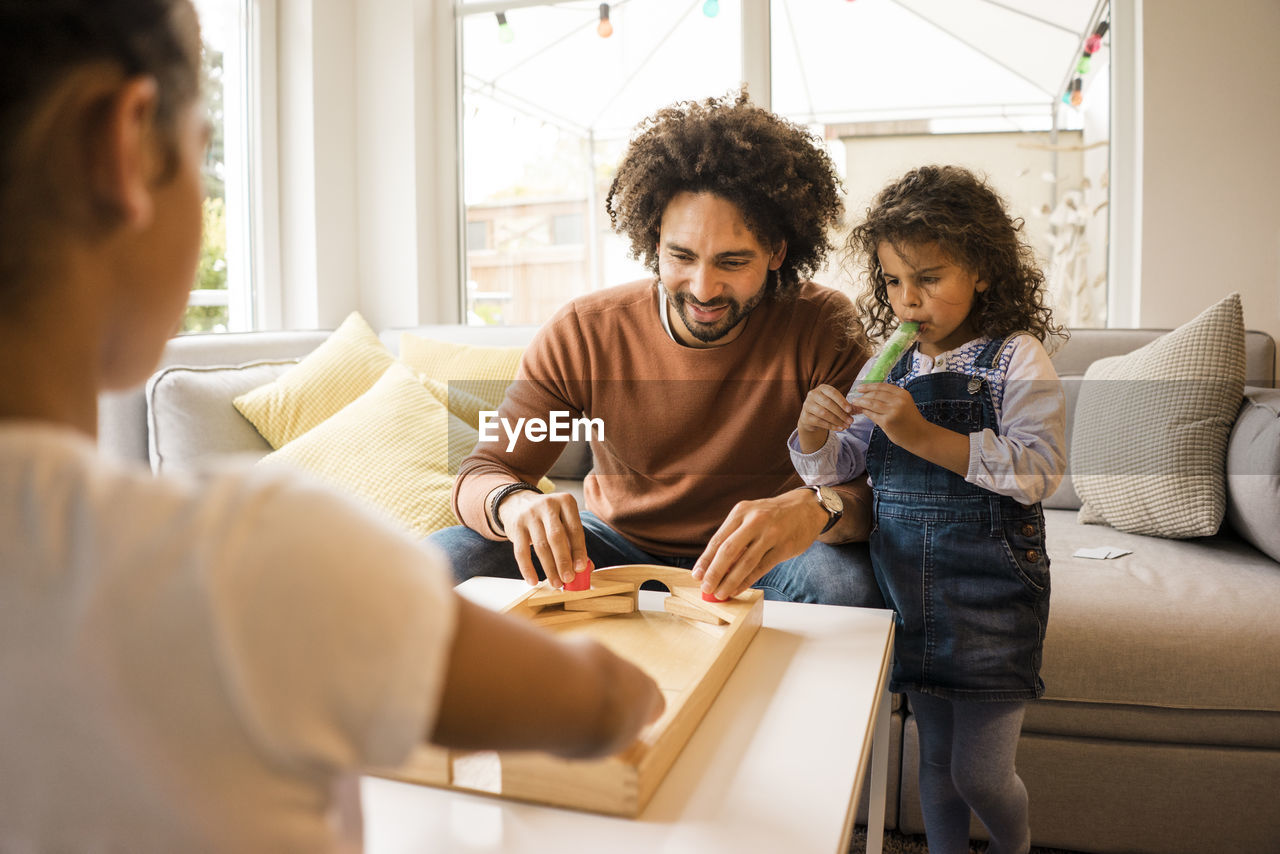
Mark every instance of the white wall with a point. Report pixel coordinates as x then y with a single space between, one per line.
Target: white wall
385 166
318 256
1015 164
1210 165
407 165
368 163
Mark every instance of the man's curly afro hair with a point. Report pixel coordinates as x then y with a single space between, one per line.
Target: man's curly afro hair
775 172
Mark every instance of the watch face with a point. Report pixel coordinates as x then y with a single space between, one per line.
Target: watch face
830 499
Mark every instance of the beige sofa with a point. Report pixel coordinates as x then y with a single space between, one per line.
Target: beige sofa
1160 730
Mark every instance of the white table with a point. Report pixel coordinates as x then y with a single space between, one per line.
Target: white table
775 766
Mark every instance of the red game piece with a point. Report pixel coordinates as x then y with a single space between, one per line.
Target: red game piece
711 597
581 580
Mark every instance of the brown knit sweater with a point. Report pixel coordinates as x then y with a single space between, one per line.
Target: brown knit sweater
687 432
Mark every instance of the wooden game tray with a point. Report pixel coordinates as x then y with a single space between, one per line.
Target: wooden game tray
690 648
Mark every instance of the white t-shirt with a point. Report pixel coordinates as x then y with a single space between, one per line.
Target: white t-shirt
200 664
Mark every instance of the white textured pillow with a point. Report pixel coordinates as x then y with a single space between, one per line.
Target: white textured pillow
1149 446
191 418
327 379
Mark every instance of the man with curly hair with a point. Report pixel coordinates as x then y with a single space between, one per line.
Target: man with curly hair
697 376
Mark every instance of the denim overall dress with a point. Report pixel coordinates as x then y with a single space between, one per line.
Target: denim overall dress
963 568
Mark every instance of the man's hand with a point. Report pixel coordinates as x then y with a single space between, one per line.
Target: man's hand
825 410
757 536
551 527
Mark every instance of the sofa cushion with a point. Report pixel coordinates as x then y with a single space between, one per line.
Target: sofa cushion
396 447
190 417
346 365
484 372
1125 722
1253 470
1150 436
1179 624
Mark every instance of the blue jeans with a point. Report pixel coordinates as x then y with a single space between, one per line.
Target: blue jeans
823 574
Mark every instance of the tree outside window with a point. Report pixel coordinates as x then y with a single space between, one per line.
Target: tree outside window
211 274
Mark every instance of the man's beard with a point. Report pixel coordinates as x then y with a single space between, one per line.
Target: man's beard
709 333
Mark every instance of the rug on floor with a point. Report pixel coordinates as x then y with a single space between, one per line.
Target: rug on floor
901 843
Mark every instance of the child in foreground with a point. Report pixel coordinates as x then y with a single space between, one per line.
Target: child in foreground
200 666
961 441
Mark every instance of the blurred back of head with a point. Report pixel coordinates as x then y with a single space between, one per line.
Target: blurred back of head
54 55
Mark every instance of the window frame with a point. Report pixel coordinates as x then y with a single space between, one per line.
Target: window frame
755 72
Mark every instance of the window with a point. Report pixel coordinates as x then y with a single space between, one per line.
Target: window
547 108
550 95
567 228
478 235
895 85
221 296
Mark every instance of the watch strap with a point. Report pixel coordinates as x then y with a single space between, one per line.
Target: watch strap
833 516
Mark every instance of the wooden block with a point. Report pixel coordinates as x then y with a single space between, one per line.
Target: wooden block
532 604
544 594
691 611
556 616
728 610
603 604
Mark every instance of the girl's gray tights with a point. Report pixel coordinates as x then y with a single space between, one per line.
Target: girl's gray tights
967 750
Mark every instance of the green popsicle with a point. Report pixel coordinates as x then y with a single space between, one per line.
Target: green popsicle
897 344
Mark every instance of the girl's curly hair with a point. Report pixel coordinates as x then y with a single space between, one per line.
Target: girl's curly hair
951 207
775 172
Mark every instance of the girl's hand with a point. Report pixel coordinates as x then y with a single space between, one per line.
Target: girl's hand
824 410
892 409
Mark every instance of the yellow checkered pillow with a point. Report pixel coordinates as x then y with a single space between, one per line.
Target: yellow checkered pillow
483 372
341 369
396 447
465 406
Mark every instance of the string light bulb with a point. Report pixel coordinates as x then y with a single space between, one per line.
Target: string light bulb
505 35
604 29
711 8
1092 43
1077 95
1082 67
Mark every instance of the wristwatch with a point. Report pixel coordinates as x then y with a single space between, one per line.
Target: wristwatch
831 502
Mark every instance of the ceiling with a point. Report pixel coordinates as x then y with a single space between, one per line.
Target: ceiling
833 61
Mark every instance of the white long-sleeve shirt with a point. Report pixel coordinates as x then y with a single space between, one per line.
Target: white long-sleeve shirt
1024 460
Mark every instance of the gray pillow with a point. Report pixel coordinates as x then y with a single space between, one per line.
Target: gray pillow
1253 471
1064 497
191 418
